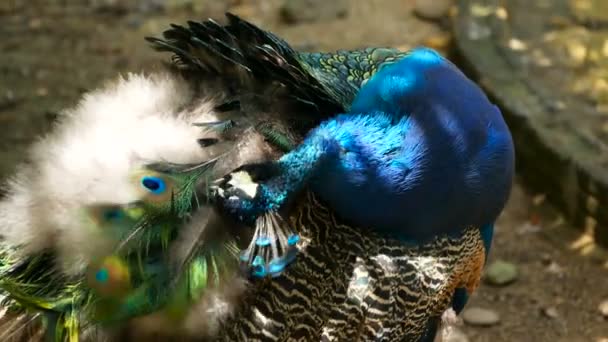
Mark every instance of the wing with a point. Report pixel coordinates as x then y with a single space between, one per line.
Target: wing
249 57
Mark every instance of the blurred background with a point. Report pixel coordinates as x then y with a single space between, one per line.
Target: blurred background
545 62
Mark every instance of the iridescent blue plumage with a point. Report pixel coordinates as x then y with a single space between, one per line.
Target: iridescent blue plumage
173 259
422 152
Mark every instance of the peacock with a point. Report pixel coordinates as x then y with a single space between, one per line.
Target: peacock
140 214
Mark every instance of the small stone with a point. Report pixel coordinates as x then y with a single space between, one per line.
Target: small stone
550 312
517 44
555 269
432 10
501 273
480 317
603 308
35 23
42 91
296 11
546 259
9 95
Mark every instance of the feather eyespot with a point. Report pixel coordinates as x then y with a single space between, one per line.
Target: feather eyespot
102 275
110 278
113 214
153 184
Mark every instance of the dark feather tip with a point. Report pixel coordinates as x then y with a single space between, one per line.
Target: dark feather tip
206 142
228 106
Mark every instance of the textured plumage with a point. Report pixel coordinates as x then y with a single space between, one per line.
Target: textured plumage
421 153
352 284
318 84
108 232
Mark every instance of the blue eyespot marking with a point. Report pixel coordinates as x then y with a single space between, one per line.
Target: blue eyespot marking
293 239
113 214
102 275
263 241
154 184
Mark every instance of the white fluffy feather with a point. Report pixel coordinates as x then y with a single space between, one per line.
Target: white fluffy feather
90 156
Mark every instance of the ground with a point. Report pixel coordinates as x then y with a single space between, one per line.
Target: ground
53 53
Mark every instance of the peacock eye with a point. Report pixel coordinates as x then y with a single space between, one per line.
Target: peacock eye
153 184
102 275
112 214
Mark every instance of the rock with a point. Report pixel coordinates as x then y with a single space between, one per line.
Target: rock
501 273
603 307
550 312
296 11
555 269
432 10
546 259
42 91
480 317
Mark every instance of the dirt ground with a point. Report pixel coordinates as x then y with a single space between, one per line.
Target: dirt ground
51 52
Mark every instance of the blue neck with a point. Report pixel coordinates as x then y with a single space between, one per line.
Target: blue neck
423 152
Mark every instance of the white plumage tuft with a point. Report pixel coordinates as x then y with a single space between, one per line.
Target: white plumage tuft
90 156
